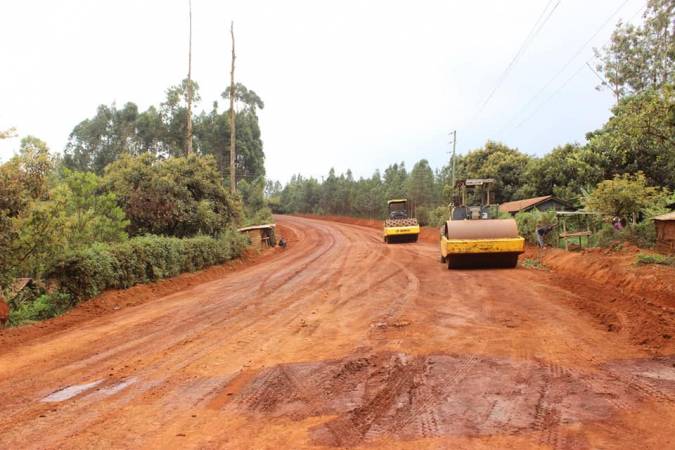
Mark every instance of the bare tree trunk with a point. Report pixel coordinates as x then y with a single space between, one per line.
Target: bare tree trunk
188 137
233 181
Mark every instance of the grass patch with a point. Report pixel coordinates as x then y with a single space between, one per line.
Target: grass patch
643 259
533 263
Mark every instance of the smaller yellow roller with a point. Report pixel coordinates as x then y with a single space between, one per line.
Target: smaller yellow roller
474 237
399 226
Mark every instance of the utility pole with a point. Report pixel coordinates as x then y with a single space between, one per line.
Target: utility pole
233 130
452 158
188 138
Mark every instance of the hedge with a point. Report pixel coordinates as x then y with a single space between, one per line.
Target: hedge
86 272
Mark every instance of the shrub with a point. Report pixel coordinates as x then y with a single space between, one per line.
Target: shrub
180 196
422 215
86 272
654 258
528 222
532 263
438 216
642 235
43 307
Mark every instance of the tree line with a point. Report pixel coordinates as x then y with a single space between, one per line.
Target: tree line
124 174
636 145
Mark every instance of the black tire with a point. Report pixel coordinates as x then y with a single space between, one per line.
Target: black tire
443 259
386 239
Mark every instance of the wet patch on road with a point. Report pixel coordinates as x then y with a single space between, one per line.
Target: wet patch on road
409 397
70 392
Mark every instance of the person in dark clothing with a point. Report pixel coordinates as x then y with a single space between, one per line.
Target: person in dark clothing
282 243
541 232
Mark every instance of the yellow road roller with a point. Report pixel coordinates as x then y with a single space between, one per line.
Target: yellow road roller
400 226
475 237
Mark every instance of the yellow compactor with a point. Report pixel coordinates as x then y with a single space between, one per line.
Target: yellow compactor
400 226
475 237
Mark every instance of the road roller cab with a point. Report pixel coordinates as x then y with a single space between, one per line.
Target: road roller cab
474 236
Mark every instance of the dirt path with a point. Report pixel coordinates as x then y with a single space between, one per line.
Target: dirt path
342 341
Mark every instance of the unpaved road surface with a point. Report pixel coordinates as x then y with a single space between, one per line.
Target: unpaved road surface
342 341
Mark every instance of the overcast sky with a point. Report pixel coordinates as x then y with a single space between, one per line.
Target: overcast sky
346 84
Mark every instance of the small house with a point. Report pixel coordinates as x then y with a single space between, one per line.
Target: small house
544 203
665 232
260 236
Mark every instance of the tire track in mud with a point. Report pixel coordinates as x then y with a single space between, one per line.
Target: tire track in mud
384 395
281 280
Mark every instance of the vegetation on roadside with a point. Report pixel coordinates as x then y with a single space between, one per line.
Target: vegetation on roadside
88 271
642 259
43 307
533 263
124 204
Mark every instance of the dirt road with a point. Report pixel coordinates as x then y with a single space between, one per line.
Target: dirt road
342 341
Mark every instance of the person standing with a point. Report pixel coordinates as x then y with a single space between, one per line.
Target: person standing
541 232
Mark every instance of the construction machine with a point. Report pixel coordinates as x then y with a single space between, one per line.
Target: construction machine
474 236
399 225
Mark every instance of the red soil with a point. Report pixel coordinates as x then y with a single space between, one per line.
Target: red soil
343 341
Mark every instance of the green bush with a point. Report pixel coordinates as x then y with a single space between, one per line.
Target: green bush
43 307
438 216
642 235
87 272
533 263
422 215
654 258
528 222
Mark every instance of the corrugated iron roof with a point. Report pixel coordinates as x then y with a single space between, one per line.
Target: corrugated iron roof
519 205
258 227
669 216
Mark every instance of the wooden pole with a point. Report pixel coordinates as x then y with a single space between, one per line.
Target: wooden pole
233 131
188 137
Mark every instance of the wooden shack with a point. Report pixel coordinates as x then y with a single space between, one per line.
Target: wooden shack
260 236
665 233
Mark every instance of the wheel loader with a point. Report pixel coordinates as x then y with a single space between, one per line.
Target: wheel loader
399 226
475 237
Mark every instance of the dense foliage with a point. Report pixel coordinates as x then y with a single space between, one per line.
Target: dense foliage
180 196
160 131
125 205
85 272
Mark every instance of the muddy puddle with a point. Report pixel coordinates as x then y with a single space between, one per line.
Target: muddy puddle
410 397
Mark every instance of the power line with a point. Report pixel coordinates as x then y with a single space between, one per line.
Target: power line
536 28
560 88
564 67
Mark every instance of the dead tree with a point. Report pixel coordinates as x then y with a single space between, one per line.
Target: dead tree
188 137
233 181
